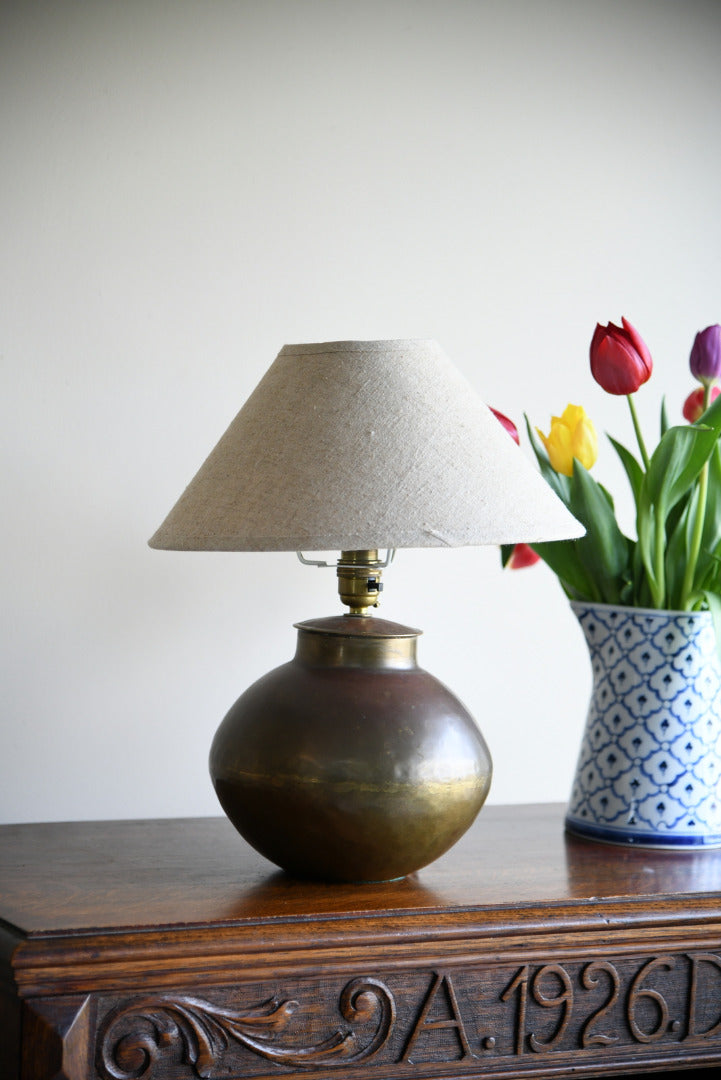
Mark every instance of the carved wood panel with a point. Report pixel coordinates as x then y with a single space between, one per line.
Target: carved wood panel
495 1019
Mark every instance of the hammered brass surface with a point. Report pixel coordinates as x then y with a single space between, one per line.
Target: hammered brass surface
350 763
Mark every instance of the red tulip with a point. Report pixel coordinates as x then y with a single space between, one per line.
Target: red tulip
522 556
693 405
620 360
508 424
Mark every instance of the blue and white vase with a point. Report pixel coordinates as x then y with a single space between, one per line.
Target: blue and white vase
649 768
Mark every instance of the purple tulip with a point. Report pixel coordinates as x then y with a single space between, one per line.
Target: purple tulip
705 359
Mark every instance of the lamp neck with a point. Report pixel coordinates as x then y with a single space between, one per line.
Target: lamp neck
359 580
345 641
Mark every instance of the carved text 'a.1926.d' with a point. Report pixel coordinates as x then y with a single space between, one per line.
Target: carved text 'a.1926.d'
573 1006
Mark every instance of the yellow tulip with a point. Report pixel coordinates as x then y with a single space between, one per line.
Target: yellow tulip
572 435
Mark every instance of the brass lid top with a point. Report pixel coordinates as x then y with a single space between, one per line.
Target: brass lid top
357 626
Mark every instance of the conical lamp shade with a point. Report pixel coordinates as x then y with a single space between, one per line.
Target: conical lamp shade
370 444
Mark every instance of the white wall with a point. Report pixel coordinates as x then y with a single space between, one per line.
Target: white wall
186 186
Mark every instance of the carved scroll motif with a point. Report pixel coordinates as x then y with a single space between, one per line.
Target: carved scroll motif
133 1037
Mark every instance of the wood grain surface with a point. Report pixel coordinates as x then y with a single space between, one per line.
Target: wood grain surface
90 875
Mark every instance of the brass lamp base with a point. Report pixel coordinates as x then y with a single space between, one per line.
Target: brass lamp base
350 763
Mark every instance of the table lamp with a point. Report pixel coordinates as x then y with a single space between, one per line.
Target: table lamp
350 762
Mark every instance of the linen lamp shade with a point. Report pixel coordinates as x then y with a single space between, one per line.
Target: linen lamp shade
363 444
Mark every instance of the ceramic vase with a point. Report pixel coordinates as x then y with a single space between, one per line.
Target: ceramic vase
649 767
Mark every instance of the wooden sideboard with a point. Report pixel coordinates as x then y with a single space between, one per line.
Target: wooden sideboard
169 949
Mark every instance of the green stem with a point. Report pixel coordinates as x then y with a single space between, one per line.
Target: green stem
637 429
697 534
658 588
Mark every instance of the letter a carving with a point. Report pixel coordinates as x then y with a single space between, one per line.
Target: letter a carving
425 1025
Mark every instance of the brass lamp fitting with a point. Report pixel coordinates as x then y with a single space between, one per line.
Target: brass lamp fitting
359 580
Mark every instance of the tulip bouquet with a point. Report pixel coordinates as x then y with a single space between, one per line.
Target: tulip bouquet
675 561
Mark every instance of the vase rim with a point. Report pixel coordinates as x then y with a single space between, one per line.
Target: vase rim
637 610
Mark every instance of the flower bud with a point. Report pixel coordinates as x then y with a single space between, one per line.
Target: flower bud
705 359
620 360
693 405
572 435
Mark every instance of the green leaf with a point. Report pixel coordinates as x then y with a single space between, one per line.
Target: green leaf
557 481
678 540
608 495
673 470
646 532
711 581
563 559
711 418
641 589
676 462
604 551
634 472
596 566
711 540
664 418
